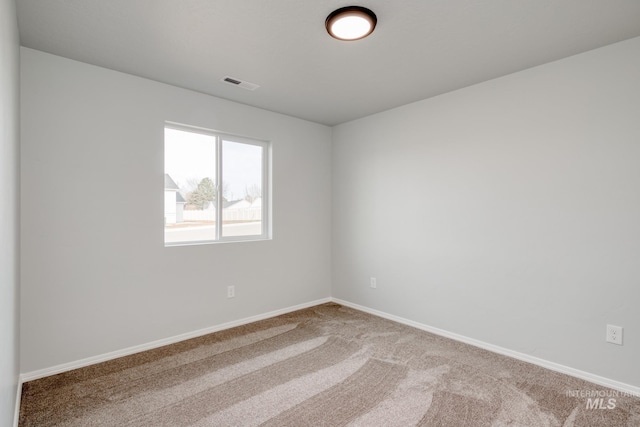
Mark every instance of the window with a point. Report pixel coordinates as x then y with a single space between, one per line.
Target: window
215 187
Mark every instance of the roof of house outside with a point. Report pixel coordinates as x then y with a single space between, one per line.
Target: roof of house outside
169 183
227 203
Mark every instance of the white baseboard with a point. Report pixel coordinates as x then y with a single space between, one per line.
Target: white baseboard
596 379
34 375
16 411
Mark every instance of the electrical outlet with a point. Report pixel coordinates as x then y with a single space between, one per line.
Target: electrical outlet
614 334
231 291
373 282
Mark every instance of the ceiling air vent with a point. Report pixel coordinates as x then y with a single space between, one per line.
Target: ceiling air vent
239 83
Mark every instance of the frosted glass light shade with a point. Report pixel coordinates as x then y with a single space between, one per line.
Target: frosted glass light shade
351 23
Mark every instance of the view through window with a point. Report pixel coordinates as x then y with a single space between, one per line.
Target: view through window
214 187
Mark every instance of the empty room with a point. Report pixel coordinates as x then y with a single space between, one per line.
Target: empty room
322 213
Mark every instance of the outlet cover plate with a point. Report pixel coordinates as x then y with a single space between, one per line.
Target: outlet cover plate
614 334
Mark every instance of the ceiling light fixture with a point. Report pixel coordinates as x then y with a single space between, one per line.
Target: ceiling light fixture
351 23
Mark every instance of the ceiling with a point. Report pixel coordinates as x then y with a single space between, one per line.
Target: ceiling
420 48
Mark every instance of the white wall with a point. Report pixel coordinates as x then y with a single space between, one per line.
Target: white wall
96 280
9 204
508 211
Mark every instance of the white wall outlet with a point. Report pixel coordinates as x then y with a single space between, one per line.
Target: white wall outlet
373 283
231 291
614 334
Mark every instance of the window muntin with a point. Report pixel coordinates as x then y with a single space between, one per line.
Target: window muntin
200 166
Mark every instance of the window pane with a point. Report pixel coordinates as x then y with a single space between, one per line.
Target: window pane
242 189
190 186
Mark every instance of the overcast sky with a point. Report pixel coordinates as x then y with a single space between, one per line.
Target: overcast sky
192 155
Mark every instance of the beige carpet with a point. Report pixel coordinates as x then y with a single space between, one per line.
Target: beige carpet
324 366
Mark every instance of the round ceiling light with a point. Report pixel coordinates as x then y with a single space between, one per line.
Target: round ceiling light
351 23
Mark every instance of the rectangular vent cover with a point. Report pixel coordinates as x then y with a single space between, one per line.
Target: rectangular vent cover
239 83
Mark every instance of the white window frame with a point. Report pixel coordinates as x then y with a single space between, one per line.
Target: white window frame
266 185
